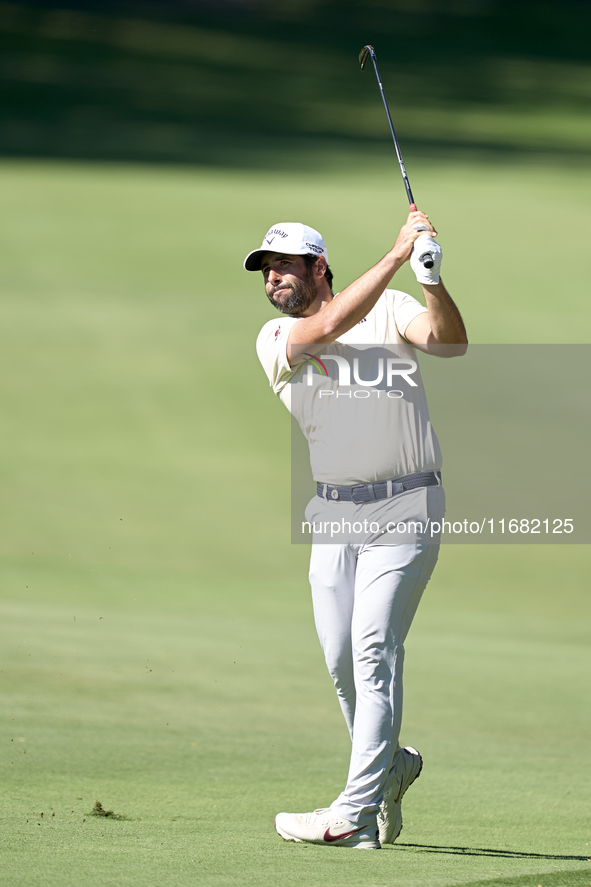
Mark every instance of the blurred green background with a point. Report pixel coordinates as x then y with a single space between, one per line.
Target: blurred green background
158 652
259 82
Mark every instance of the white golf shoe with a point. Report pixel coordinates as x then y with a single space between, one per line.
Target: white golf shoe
325 827
406 768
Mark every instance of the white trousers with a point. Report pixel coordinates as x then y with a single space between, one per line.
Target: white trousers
365 597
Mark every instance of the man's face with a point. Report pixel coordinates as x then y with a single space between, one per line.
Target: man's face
290 285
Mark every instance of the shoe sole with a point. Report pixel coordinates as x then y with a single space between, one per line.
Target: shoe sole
404 789
359 845
284 835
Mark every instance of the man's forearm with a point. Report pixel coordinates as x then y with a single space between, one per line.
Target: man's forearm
447 326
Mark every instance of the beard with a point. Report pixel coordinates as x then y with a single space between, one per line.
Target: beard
295 297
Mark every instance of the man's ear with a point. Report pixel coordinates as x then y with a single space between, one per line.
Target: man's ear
321 266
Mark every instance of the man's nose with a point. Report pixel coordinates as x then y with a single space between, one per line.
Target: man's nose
274 277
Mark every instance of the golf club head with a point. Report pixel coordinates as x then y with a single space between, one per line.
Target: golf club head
367 50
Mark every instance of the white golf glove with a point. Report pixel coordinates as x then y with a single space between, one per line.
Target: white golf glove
426 245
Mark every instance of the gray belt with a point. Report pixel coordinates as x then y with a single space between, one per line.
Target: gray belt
383 490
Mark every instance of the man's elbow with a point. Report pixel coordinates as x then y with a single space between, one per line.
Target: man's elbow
329 331
460 346
455 349
448 346
319 336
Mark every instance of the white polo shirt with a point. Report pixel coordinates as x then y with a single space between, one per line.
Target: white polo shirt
357 432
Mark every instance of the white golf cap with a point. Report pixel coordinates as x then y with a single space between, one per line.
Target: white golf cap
291 238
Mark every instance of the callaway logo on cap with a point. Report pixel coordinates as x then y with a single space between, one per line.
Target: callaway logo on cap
291 238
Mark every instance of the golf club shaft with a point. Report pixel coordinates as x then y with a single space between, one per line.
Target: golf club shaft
411 200
426 258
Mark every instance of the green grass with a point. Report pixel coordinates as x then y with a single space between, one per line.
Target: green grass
158 652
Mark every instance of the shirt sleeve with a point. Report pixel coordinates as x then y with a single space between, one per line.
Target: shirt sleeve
405 308
272 351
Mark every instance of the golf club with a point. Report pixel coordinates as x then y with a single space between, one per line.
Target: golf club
426 258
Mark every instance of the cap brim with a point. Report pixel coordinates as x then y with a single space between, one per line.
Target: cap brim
253 260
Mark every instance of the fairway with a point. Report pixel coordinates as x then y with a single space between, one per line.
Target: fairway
158 651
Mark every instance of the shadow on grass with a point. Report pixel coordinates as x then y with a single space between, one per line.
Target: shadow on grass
486 851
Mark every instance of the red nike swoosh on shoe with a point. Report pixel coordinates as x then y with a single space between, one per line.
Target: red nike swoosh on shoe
331 838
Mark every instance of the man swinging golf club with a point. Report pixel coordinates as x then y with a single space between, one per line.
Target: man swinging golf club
365 590
377 466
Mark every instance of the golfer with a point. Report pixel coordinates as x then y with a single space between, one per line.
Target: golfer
345 365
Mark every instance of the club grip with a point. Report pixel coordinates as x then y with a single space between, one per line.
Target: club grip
426 259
